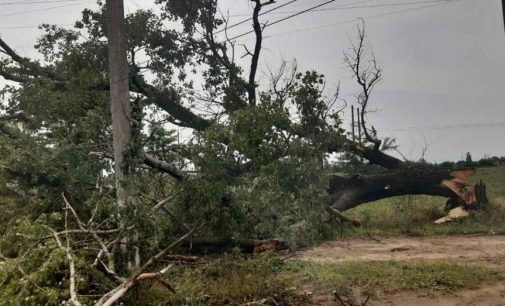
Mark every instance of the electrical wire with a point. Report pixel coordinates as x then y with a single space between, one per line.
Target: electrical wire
440 2
234 25
33 26
261 14
43 9
454 126
35 2
353 6
286 18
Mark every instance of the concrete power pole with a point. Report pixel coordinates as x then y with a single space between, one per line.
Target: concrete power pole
120 111
119 93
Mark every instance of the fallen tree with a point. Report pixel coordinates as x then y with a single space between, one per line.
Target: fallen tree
315 126
407 179
256 164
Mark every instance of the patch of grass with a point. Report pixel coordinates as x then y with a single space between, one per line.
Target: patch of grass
414 215
236 280
377 277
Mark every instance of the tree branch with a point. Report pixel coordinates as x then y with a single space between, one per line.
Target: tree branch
73 291
164 167
94 234
367 77
258 31
117 293
33 68
169 101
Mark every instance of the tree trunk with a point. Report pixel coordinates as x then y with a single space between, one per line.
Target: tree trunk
220 245
402 178
355 190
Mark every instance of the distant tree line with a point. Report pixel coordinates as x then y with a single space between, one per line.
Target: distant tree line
486 161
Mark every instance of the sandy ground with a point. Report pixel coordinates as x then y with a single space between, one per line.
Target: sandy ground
469 249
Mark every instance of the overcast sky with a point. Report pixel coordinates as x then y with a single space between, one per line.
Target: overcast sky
443 62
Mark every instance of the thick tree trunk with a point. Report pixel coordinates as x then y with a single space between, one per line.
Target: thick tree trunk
403 178
352 191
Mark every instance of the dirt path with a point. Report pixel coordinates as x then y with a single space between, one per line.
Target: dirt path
483 250
489 250
492 295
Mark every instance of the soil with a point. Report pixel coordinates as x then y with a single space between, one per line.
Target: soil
482 250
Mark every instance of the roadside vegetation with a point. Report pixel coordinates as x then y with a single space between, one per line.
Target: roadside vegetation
267 279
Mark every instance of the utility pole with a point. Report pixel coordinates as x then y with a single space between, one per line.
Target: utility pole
120 109
359 126
119 93
503 9
352 122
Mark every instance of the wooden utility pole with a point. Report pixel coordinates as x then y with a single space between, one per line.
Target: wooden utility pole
503 9
119 93
359 125
352 123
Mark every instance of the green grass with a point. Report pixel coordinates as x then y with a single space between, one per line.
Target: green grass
494 178
414 215
377 277
235 280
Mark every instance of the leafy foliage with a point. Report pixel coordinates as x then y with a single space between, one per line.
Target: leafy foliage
255 171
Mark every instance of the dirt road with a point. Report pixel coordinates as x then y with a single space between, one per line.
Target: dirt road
483 250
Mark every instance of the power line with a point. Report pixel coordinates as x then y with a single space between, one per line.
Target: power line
454 126
35 2
440 2
286 18
43 9
370 6
33 26
352 7
261 14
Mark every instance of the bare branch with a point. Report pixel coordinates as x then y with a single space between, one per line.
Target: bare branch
342 217
94 234
367 74
117 293
162 203
73 292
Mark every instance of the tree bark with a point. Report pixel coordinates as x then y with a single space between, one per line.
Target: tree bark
408 179
220 245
